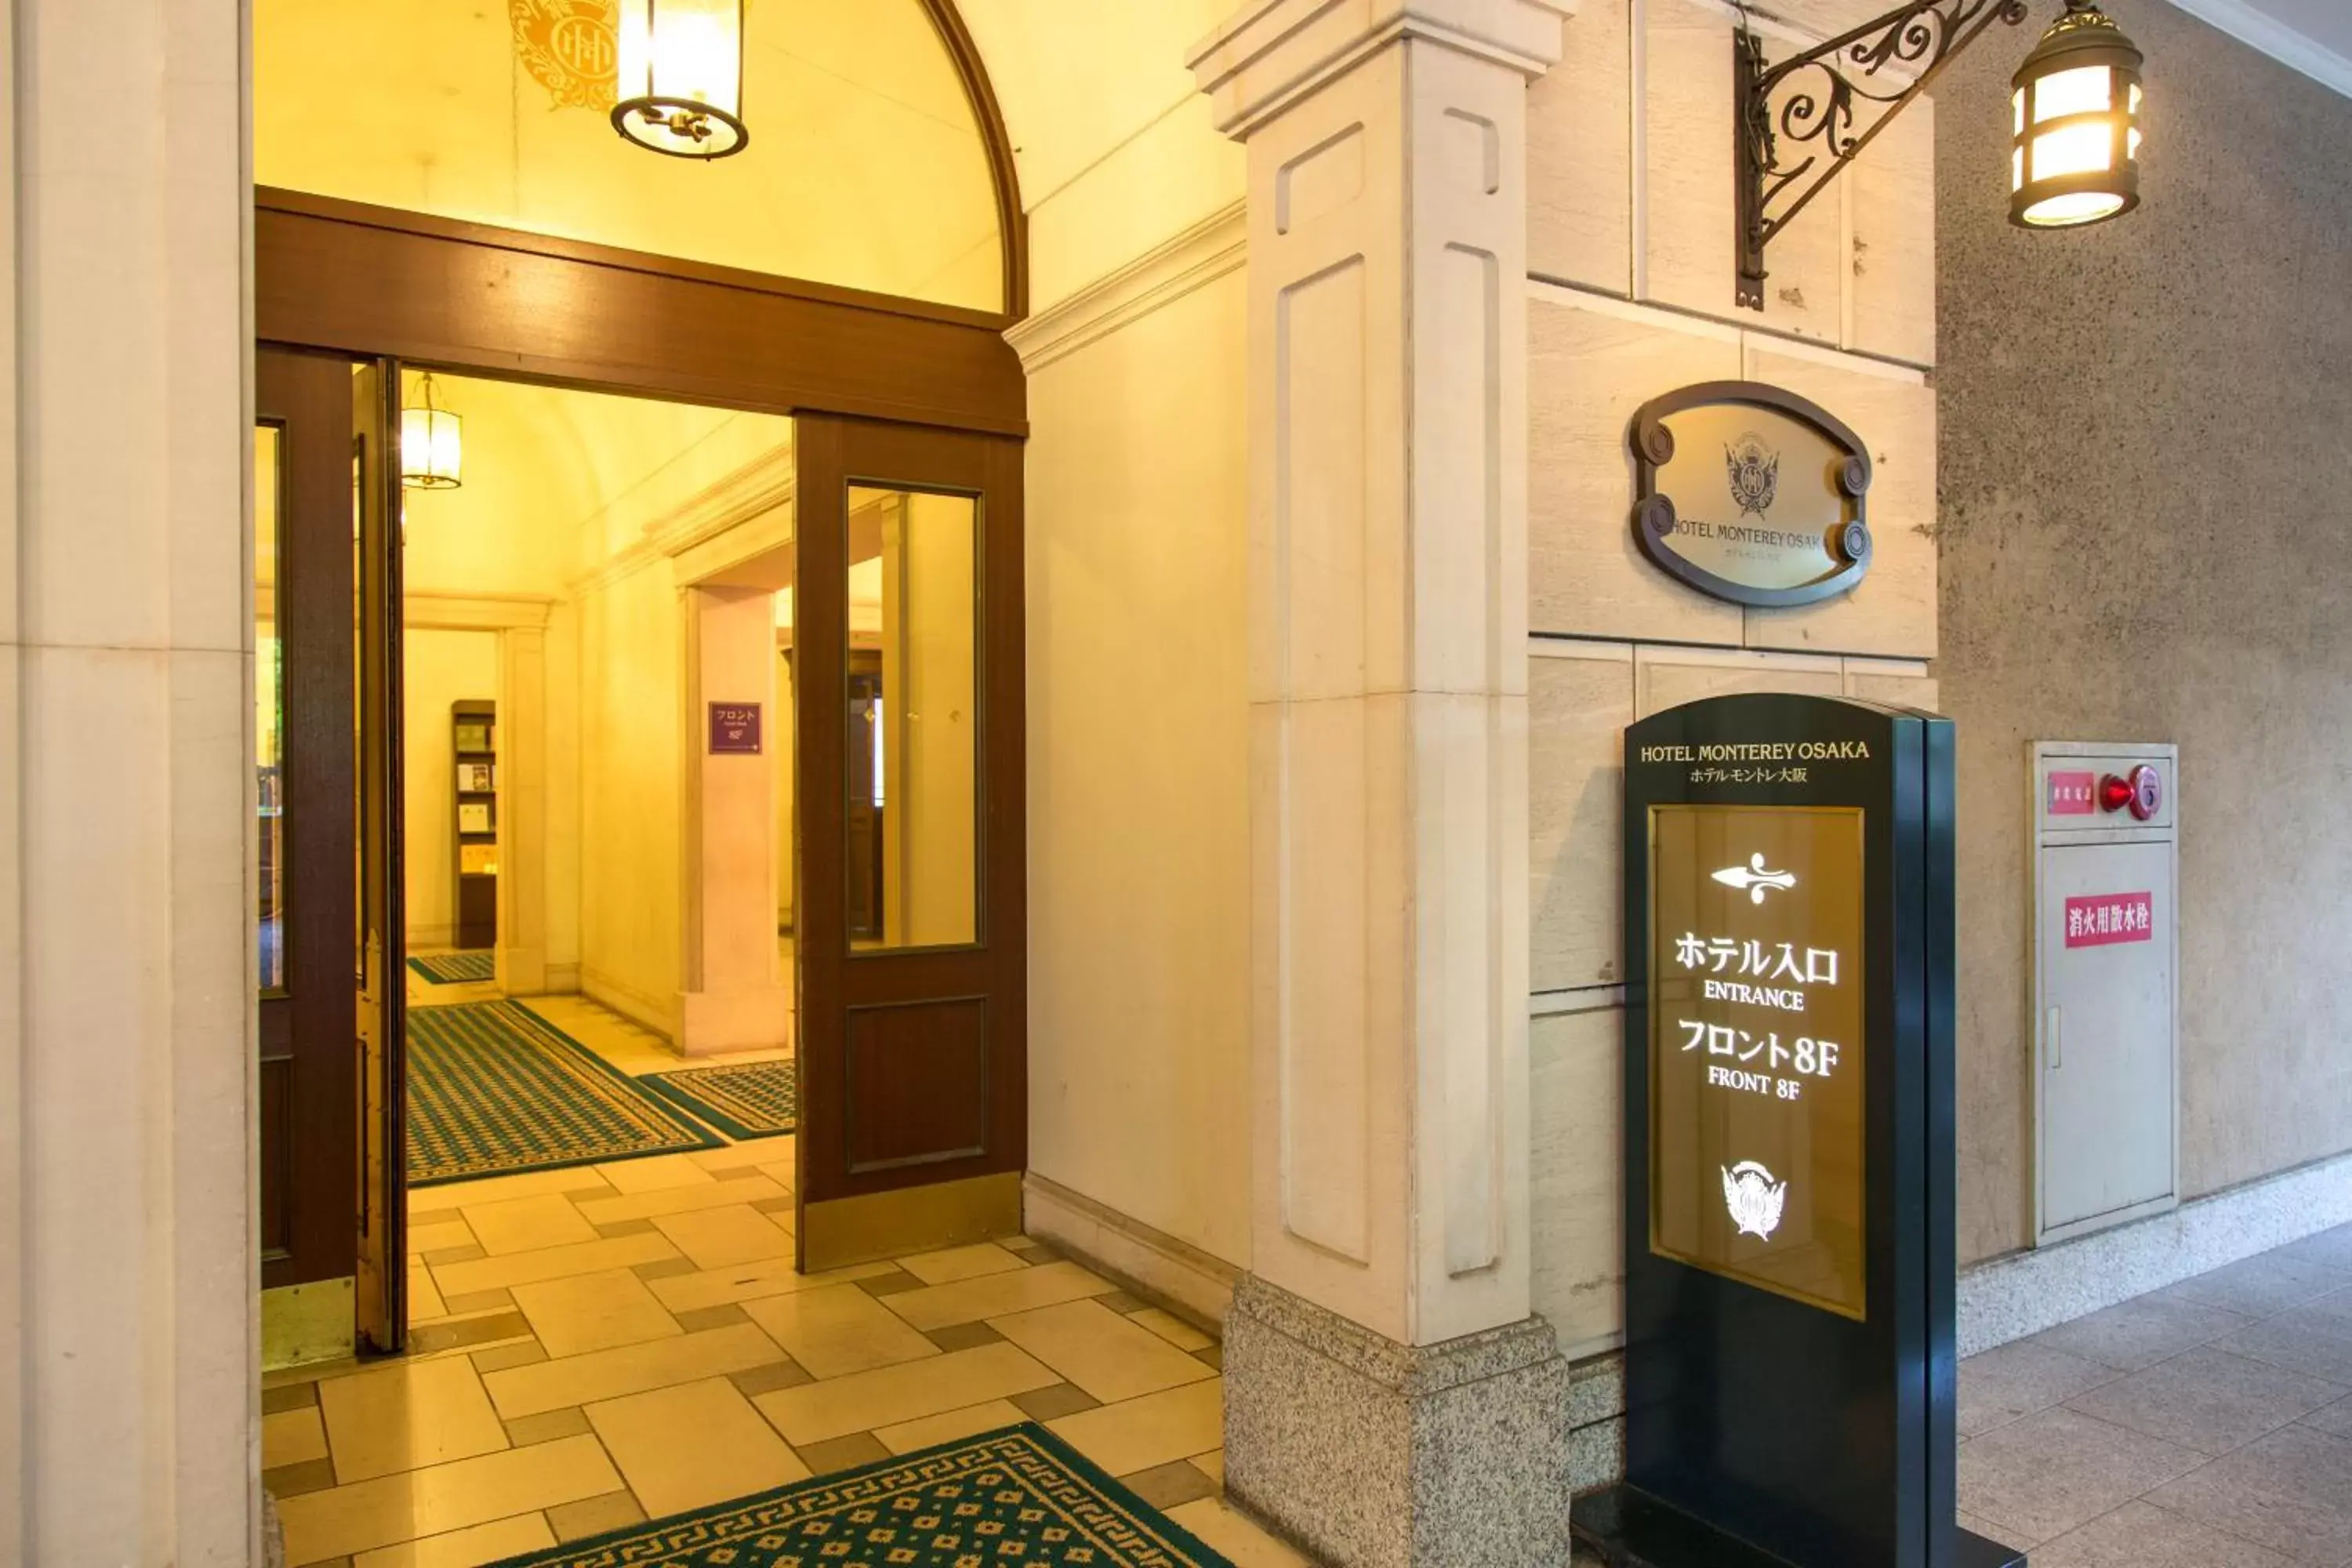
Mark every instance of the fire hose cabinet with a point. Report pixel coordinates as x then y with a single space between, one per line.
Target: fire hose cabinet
2106 965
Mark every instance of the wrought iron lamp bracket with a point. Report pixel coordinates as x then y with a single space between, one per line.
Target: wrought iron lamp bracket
1788 157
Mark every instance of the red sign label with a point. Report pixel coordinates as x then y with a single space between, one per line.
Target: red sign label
2106 917
2070 794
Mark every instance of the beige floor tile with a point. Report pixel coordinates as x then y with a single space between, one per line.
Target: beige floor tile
748 1282
292 1437
596 1515
709 1194
551 1263
425 1302
835 1407
838 1329
1100 1350
654 1173
961 1263
1224 1528
784 1175
526 1225
465 1548
750 1151
629 1369
995 1295
414 1504
1175 1424
406 1417
1210 1465
717 1237
970 1422
585 1313
1171 1328
693 1445
440 1201
440 1235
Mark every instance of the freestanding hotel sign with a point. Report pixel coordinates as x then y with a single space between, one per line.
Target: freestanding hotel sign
1789 1180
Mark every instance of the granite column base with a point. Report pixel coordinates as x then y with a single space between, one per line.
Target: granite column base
1371 1454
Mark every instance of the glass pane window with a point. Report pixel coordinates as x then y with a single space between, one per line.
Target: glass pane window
914 718
268 711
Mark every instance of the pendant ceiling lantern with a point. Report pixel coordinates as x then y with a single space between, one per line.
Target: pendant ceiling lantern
681 77
2074 124
432 449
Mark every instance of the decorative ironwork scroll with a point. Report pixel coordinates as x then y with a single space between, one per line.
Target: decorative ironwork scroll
1789 153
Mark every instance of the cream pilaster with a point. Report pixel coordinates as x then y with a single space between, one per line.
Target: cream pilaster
1381 1353
734 998
127 786
1388 552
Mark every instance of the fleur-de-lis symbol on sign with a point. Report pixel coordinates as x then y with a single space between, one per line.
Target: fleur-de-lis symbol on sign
1753 879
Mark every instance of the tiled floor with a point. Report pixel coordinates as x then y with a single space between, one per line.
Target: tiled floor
599 1345
2209 1424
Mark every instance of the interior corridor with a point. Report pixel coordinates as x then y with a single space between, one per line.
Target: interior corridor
597 1345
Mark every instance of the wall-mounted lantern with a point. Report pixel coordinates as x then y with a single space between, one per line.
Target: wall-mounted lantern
2074 157
681 83
432 447
2075 113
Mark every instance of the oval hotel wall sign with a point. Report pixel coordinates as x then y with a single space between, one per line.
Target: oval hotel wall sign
1752 493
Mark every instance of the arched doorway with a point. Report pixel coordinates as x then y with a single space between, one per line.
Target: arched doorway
440 192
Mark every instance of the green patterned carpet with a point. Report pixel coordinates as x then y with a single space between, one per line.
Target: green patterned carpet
1015 1499
750 1100
493 1089
456 968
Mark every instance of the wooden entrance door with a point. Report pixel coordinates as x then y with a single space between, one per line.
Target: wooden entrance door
911 906
327 670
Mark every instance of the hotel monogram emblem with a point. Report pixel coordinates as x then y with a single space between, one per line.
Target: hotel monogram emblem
1755 474
1754 1199
570 47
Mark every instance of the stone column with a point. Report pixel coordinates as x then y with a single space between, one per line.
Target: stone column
522 810
734 998
1390 1399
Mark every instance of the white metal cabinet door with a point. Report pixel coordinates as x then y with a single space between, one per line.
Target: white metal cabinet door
2106 1030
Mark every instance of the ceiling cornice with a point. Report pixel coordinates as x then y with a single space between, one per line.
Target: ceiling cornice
2290 46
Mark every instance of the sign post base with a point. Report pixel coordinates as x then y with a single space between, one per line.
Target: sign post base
1632 1530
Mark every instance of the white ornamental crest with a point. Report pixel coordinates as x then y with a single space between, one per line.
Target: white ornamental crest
1753 878
1754 1199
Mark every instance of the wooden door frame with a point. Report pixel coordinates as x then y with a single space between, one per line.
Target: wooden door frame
379 283
446 295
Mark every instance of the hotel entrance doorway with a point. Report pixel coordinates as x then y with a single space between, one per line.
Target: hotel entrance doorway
904 567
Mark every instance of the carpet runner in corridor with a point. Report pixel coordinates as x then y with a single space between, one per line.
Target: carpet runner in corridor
747 1099
494 1088
456 968
1019 1497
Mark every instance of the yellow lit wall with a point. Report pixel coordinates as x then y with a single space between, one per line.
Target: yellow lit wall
865 166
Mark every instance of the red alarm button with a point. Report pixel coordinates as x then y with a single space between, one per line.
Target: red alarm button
2142 790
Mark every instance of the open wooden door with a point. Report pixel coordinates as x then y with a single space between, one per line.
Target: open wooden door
911 908
327 665
383 906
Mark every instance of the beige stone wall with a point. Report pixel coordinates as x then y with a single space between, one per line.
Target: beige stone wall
1139 770
1630 247
2147 482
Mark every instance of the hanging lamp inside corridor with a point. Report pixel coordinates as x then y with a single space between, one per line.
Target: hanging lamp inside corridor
432 446
681 77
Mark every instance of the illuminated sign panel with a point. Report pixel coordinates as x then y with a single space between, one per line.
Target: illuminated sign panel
1756 1047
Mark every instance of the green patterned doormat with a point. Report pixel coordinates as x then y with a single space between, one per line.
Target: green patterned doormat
1020 1498
749 1100
456 968
494 1088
